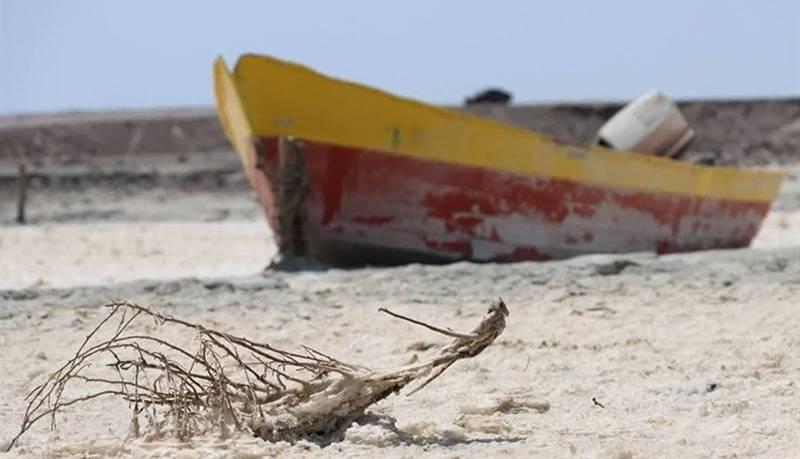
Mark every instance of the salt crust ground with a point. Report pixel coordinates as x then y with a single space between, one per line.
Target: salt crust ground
692 355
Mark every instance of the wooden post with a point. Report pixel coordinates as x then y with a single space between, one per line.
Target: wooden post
22 189
292 192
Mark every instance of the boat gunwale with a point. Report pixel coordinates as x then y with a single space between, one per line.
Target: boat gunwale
700 175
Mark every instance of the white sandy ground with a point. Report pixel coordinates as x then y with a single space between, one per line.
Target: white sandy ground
64 255
647 343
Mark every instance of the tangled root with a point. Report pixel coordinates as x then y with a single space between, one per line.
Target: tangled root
232 383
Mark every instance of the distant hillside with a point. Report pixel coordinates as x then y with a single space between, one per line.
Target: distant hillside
747 132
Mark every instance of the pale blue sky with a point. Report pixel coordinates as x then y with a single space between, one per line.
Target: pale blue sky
89 54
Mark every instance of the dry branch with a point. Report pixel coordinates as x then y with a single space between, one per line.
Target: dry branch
230 382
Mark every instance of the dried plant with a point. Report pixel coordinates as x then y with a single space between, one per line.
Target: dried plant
231 382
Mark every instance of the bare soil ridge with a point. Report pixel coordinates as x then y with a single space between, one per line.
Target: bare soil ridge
744 132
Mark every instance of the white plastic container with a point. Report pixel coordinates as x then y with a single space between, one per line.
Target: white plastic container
650 124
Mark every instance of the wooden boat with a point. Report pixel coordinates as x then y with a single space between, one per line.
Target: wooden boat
351 175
